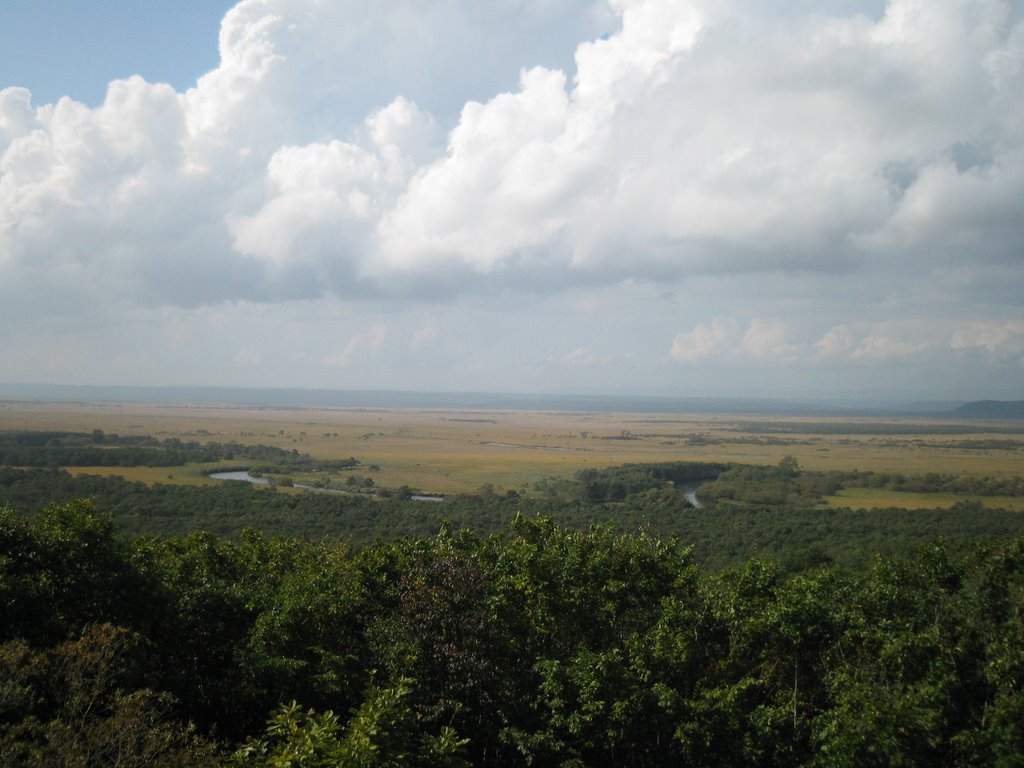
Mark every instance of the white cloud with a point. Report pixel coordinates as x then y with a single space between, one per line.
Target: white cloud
497 192
839 341
879 347
767 338
586 357
323 198
327 187
703 341
423 336
17 117
873 342
357 346
698 136
340 153
999 338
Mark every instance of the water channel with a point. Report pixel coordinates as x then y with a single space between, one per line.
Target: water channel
242 475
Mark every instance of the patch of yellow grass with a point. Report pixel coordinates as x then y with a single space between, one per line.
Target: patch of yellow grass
188 474
884 498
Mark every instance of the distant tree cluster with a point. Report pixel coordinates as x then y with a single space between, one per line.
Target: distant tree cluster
618 483
784 483
788 484
96 449
934 482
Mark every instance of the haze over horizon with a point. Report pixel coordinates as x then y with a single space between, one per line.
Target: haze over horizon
657 197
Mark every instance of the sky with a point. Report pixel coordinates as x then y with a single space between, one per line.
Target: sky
810 199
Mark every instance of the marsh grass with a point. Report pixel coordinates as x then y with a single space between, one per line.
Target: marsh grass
453 451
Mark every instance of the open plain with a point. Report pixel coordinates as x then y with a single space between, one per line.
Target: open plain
460 450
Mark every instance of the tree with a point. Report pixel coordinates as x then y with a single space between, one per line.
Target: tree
788 468
79 704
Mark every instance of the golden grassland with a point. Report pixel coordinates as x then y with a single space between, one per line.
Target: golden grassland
189 474
459 450
883 498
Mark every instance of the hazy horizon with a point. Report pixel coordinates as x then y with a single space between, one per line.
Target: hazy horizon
622 402
659 198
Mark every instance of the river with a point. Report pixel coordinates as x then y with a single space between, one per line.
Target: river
242 475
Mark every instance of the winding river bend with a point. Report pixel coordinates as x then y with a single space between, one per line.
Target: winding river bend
242 475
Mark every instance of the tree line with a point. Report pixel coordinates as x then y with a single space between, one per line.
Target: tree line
98 449
788 484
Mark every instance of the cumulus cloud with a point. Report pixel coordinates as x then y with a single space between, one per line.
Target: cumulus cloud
696 136
497 191
767 338
872 342
17 117
838 341
852 151
703 341
359 344
322 199
881 347
1001 339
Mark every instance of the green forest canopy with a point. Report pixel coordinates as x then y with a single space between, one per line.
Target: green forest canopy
540 645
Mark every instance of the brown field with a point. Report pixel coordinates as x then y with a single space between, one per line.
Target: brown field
460 450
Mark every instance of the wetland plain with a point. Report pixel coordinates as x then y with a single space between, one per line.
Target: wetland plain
459 450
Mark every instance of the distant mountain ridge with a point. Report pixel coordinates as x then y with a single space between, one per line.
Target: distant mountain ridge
990 409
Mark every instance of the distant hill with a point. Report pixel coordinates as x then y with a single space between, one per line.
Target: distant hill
929 407
990 409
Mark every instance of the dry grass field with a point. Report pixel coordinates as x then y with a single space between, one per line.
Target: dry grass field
189 474
460 450
882 498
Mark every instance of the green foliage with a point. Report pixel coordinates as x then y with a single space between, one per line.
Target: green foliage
79 704
63 570
540 645
784 483
619 483
380 734
788 468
